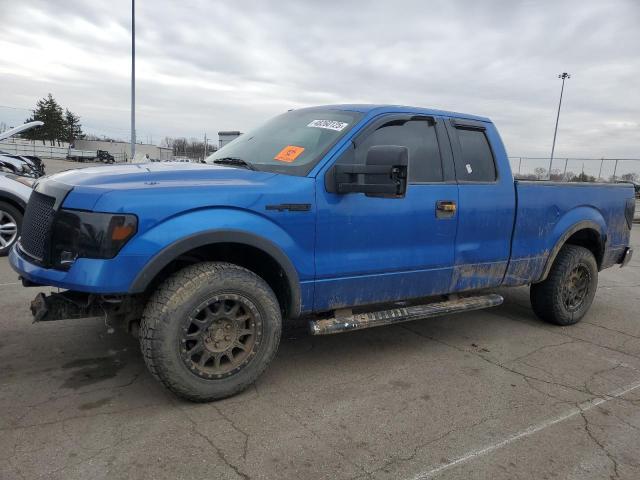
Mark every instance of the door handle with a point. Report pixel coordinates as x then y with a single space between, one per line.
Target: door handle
445 208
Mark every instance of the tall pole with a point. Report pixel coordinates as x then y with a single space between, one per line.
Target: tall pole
133 79
563 76
600 172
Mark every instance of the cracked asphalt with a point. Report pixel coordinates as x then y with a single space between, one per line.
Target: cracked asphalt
494 394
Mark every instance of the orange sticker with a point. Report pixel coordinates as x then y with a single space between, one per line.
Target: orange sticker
289 153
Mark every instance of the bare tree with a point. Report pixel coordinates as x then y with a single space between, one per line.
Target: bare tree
191 148
630 177
540 172
556 175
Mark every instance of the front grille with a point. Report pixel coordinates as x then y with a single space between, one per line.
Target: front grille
36 225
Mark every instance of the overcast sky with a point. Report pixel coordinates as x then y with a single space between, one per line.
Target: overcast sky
204 66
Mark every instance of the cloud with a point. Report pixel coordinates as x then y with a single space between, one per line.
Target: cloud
206 66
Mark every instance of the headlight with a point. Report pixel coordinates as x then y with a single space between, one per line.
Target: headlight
28 181
80 234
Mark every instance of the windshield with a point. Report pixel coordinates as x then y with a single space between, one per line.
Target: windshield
290 143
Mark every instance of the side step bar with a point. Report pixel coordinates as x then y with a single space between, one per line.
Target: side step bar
358 321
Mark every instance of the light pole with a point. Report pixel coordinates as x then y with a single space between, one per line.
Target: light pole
133 79
563 76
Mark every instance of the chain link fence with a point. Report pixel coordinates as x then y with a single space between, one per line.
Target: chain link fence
577 169
580 170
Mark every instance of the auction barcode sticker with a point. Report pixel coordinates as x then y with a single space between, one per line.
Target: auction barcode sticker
328 124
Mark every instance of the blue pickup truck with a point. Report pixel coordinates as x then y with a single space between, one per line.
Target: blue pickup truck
343 217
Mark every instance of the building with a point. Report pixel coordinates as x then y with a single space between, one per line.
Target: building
123 149
226 137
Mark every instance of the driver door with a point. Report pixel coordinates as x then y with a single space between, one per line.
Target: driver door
373 249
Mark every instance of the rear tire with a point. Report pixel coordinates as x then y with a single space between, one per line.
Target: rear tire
10 225
210 330
567 293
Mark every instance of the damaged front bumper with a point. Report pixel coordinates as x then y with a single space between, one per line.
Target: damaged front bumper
118 311
65 305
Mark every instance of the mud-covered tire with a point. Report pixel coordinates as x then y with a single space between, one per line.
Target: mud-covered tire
9 215
173 305
551 299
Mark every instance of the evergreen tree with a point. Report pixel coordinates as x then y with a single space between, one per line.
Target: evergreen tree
73 129
50 112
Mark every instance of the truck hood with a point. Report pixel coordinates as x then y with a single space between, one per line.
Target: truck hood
157 175
156 190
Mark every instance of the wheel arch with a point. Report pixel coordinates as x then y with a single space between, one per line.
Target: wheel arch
13 200
586 233
251 251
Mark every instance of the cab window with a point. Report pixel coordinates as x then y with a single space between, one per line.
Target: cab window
419 136
477 163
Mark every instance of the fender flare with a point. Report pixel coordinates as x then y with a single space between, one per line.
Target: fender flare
576 227
200 239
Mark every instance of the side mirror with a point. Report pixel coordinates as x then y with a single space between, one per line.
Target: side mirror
383 174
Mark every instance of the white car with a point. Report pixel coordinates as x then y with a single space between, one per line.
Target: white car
15 191
23 165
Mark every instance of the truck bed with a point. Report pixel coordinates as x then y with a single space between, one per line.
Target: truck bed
81 155
545 214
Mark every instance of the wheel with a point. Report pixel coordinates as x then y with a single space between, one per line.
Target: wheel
210 330
567 293
10 224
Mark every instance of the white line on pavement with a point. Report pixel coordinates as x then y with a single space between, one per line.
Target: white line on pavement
583 407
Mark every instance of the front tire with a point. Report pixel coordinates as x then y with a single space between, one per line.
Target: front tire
567 293
210 330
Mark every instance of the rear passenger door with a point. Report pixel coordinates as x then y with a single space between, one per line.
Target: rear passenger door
372 249
486 206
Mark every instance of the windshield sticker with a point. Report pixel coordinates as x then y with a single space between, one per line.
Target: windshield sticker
328 124
289 153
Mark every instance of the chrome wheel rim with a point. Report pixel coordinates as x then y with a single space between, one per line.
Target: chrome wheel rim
8 229
576 288
221 336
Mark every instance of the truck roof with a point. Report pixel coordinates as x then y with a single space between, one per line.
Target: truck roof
388 108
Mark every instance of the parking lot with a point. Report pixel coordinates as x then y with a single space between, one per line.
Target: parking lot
491 394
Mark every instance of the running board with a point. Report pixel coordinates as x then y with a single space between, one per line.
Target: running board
358 321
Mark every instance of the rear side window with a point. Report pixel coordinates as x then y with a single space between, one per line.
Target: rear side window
476 164
419 136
